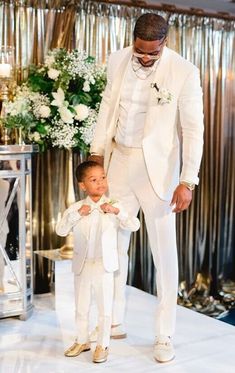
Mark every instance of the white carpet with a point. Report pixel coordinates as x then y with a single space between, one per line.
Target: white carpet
203 344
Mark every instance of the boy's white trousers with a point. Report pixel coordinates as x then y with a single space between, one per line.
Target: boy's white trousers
129 182
93 280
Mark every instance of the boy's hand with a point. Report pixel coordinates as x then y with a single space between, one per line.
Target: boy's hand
84 210
108 208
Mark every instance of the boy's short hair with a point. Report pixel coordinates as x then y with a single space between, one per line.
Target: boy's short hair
82 169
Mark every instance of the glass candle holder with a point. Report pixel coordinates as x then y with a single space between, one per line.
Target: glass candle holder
6 62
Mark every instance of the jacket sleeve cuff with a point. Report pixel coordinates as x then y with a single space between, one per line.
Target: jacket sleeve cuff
189 178
122 216
73 217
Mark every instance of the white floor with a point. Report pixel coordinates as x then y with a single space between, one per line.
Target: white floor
203 344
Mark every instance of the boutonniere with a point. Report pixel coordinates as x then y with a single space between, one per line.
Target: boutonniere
162 94
112 201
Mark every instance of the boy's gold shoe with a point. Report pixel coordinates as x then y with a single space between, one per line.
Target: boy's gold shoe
100 355
76 349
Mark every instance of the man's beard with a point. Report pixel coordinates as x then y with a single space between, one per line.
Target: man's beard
148 64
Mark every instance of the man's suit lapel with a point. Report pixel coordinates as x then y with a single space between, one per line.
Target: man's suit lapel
114 102
162 67
120 76
160 78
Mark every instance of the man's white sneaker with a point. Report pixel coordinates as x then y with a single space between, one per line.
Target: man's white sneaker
118 332
163 349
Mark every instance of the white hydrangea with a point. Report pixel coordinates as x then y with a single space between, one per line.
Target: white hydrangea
53 73
44 111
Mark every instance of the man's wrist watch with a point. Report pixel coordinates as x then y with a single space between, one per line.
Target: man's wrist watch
190 186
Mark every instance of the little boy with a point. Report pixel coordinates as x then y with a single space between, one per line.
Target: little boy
94 222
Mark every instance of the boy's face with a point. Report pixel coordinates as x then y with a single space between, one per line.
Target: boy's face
94 182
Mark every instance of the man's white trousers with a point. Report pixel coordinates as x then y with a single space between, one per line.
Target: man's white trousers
129 183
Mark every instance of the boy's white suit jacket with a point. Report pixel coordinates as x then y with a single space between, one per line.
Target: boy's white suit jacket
72 222
173 132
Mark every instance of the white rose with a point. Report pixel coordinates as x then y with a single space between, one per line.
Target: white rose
44 111
53 73
66 115
86 86
82 112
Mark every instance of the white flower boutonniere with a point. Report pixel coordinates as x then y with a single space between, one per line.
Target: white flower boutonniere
162 94
112 201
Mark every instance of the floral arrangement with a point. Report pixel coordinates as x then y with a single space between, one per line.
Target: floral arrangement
58 104
162 94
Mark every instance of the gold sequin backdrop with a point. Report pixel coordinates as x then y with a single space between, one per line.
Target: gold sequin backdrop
206 237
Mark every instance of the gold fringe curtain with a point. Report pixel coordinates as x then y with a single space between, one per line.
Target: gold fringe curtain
206 238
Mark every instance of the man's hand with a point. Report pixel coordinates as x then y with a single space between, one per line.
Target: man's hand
181 198
84 210
97 158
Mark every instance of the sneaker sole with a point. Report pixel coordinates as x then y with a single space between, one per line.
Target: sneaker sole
100 361
119 336
74 355
164 361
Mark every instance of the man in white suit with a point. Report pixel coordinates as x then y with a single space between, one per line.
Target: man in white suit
150 128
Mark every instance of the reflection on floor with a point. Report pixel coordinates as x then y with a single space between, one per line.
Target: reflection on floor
203 344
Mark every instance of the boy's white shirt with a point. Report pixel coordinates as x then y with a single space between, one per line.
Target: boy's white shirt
72 221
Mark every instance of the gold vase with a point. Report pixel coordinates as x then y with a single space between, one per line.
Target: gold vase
18 136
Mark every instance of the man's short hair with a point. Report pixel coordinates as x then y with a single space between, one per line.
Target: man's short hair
150 27
82 169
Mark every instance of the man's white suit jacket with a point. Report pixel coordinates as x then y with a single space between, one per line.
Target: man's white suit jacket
72 221
173 132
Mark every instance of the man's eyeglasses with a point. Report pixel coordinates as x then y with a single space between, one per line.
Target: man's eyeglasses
150 56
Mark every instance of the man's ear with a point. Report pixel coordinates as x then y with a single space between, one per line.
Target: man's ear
82 186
